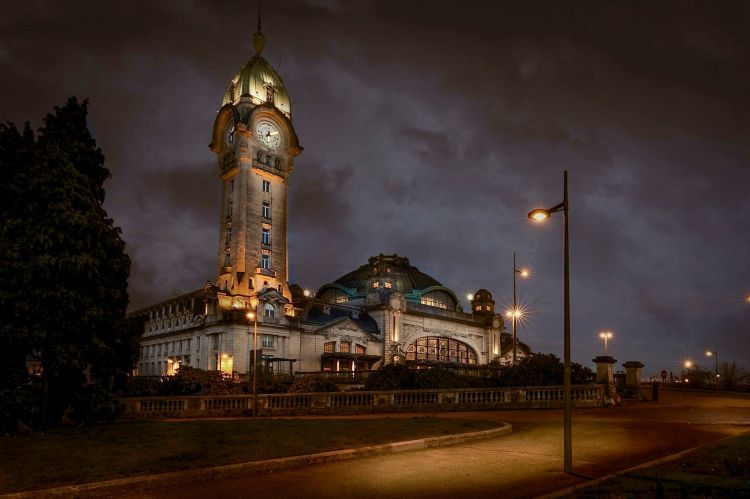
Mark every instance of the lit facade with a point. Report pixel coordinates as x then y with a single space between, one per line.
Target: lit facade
385 311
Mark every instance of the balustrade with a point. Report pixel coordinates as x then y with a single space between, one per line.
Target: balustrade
353 402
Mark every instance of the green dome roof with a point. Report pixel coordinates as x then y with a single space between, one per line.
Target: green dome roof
255 80
392 268
385 274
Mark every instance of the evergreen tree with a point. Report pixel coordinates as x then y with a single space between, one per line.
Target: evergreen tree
63 271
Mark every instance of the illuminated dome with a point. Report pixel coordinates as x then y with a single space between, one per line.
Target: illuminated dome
388 273
259 81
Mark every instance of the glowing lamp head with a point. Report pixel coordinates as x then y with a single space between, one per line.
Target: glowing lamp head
306 292
469 296
688 364
250 315
524 273
605 334
709 353
539 215
514 313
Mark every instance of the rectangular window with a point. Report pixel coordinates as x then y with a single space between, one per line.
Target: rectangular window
345 346
266 186
266 341
266 210
329 346
265 262
265 237
359 349
198 343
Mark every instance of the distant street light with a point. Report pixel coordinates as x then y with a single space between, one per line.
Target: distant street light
715 355
539 215
516 313
606 336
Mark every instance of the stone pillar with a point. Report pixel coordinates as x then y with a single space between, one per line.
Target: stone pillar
632 378
604 377
604 369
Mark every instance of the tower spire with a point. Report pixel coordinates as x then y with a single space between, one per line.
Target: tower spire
259 41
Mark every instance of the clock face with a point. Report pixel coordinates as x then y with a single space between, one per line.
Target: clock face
230 133
267 134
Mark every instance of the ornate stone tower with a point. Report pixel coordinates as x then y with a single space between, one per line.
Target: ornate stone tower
255 144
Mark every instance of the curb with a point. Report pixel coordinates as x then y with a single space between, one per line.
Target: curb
656 462
232 470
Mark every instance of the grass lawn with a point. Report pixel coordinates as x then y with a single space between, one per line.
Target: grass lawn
69 456
718 470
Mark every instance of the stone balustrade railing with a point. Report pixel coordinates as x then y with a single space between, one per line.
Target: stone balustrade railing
285 404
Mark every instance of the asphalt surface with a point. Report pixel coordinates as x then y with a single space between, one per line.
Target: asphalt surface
525 463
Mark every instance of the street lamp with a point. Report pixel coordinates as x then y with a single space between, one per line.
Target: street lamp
686 369
715 355
539 215
606 336
253 315
516 313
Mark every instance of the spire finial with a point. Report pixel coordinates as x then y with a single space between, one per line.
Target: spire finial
259 41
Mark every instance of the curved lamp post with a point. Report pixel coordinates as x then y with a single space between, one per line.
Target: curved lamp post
539 215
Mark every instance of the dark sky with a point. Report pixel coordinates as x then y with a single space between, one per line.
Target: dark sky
431 129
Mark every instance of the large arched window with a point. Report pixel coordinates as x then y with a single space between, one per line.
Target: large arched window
438 349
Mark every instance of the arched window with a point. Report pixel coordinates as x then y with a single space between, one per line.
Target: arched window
438 349
334 296
269 310
438 299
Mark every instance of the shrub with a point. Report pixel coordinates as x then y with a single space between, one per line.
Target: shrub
312 384
391 377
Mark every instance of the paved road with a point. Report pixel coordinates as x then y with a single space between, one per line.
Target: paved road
526 463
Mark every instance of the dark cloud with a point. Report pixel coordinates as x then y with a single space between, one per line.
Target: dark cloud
431 130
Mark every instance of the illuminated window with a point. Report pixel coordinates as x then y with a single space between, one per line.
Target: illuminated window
265 261
266 186
334 296
437 349
345 346
329 346
265 237
438 299
388 284
269 310
266 341
376 284
266 210
359 349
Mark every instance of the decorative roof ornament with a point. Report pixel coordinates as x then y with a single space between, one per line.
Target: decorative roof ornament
259 41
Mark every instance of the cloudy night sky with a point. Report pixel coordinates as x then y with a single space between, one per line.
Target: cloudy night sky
430 130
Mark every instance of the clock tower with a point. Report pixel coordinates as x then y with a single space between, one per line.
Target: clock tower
255 144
